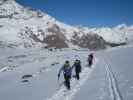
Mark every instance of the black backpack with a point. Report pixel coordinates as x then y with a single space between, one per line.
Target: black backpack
78 65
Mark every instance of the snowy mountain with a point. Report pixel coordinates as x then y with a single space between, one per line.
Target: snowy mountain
24 27
119 34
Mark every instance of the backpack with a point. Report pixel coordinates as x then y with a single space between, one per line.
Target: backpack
77 65
67 69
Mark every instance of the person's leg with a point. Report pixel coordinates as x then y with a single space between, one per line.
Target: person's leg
68 83
90 63
77 75
65 77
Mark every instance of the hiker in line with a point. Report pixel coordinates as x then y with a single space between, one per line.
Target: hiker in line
77 66
90 59
67 71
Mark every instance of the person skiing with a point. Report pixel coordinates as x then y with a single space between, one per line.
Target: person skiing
77 66
90 59
67 71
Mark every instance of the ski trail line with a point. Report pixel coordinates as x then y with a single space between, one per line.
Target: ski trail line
3 69
75 85
113 85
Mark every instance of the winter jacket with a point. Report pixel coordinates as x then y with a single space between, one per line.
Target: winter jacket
77 66
67 70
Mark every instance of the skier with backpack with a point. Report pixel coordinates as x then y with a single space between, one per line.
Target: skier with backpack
77 66
90 59
67 71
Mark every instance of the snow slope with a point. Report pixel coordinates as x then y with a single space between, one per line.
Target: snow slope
111 79
43 65
14 18
108 79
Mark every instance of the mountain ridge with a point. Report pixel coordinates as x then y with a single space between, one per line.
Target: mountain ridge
25 27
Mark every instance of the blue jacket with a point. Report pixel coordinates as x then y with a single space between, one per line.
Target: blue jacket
67 70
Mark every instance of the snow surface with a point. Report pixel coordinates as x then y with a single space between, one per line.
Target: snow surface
108 79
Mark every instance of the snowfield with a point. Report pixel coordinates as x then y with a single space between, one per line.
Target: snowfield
110 77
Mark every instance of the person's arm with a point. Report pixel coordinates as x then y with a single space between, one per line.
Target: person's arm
60 71
73 65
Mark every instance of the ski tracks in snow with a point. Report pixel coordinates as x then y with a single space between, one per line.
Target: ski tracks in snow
63 94
113 85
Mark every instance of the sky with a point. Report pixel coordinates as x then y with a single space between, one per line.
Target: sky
93 13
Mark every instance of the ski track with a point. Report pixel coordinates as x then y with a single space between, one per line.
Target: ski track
3 69
75 85
113 86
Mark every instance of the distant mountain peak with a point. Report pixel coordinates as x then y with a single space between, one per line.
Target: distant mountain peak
121 26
